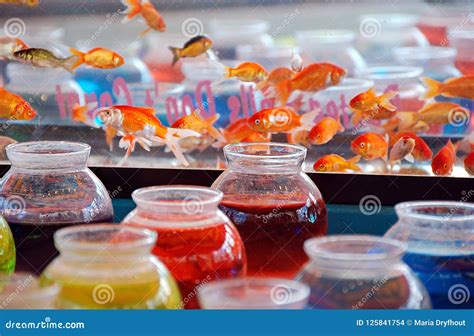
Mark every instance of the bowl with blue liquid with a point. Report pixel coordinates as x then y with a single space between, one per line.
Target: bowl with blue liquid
440 240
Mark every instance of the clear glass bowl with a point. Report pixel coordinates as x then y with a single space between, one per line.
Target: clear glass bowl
273 203
360 272
333 46
47 188
24 291
254 293
440 238
110 267
196 241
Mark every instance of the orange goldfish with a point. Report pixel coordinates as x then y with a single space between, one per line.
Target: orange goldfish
457 87
324 131
421 151
98 58
369 105
276 76
194 47
402 149
195 122
281 119
299 137
370 146
444 160
469 163
139 124
14 107
314 77
10 45
240 131
336 163
145 8
248 72
441 113
29 3
43 58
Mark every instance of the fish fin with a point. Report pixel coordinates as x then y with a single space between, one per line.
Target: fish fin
307 119
172 137
433 87
356 117
110 134
283 92
213 132
79 113
384 101
146 31
410 158
71 63
229 71
352 163
80 57
134 7
176 55
127 142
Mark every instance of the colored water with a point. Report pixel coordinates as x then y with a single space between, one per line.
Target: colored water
274 230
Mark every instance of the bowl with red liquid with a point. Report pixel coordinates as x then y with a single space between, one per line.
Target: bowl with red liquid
274 205
196 241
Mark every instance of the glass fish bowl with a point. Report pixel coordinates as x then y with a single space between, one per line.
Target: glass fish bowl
7 248
24 291
254 293
196 241
47 188
360 272
403 79
110 267
273 203
440 238
333 46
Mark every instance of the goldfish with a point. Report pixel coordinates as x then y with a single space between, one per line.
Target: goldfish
296 63
281 119
276 76
336 163
240 131
421 151
10 45
145 8
14 107
324 131
402 149
139 124
248 72
466 145
4 142
196 46
469 163
370 106
370 146
98 58
43 58
301 136
314 77
29 3
457 87
444 160
441 113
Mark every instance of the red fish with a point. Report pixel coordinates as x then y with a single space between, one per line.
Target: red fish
324 131
469 163
421 152
370 146
370 106
443 161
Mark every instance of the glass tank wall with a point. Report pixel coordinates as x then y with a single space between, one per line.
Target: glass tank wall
167 85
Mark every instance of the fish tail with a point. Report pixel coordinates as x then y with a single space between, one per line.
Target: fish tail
71 63
283 92
384 100
77 58
172 138
356 117
213 132
229 71
134 7
352 163
146 31
433 87
307 119
79 113
176 54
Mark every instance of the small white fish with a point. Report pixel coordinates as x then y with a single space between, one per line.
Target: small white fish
402 150
296 63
